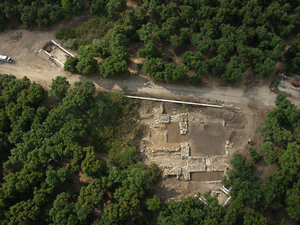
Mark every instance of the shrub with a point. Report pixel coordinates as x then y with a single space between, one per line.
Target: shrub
197 79
65 34
71 43
71 64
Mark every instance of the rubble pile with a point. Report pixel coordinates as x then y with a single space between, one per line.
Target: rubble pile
228 147
162 118
175 171
183 123
166 150
185 150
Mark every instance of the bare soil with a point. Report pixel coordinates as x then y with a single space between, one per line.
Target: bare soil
174 133
207 141
199 176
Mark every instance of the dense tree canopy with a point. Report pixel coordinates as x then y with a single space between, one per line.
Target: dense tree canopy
51 147
230 36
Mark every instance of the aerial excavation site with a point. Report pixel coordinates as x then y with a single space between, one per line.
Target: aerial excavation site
192 145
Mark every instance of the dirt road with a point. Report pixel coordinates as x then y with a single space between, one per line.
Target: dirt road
37 67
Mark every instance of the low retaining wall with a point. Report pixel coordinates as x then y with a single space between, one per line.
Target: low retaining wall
54 58
58 45
172 101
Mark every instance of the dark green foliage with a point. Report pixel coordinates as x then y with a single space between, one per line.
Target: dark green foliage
195 61
123 156
242 179
150 51
234 70
293 56
254 155
70 8
24 212
71 43
178 43
252 217
217 65
134 186
120 39
154 203
202 44
63 210
292 201
59 87
3 19
174 73
71 64
54 177
29 15
170 26
92 196
115 6
155 67
264 68
229 29
197 79
114 66
92 166
270 151
187 211
145 34
50 146
166 11
65 34
97 7
187 14
87 65
281 146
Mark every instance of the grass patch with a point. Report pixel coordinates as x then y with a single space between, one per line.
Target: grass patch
94 28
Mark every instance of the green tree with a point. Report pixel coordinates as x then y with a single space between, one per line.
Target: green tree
70 8
154 203
293 201
114 6
97 7
113 66
234 70
251 217
87 65
71 43
92 166
145 33
59 87
150 51
187 211
29 15
216 65
122 155
202 43
154 66
197 79
62 210
71 64
24 212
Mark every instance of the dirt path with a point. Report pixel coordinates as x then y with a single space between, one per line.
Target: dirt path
34 65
